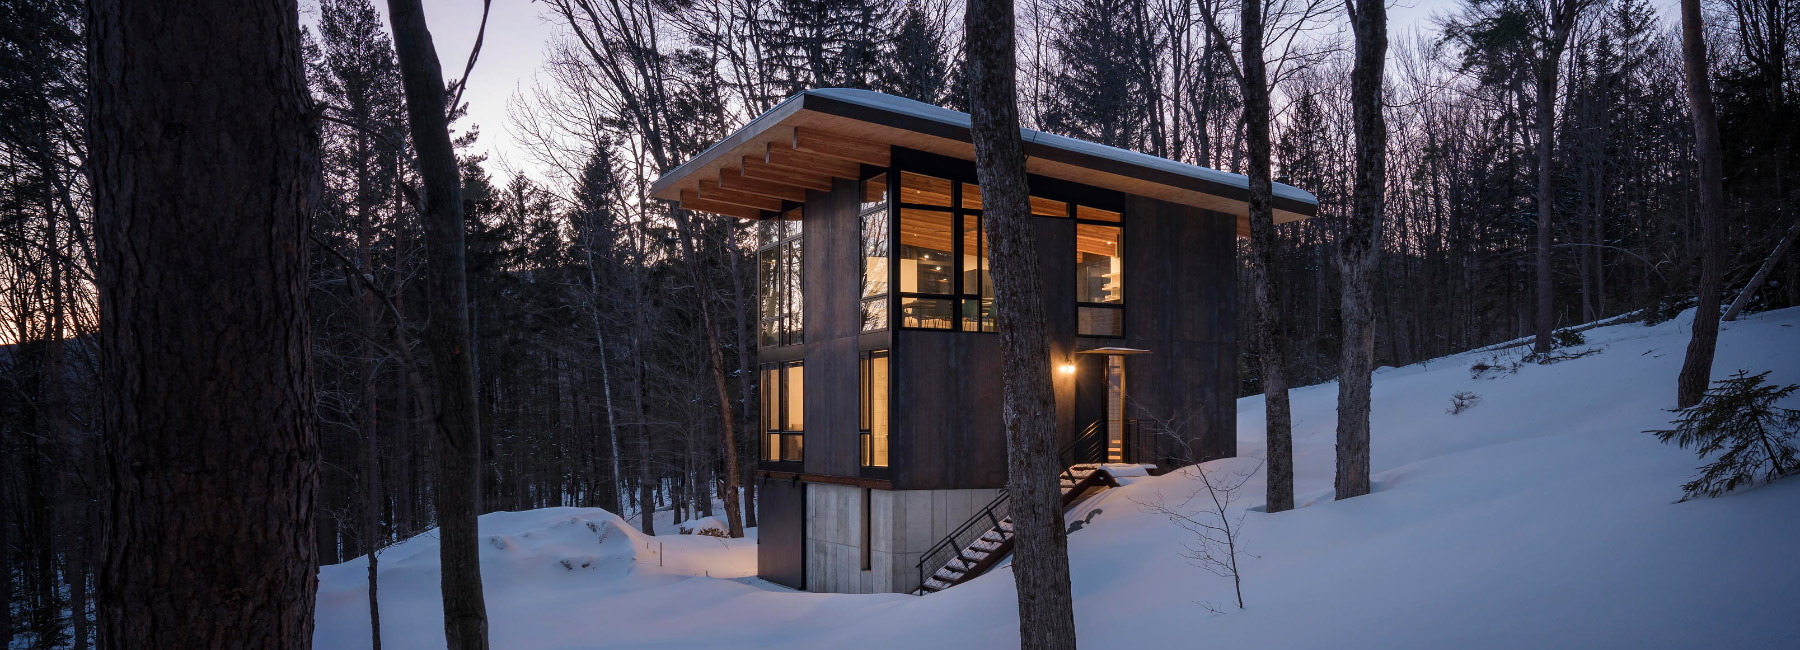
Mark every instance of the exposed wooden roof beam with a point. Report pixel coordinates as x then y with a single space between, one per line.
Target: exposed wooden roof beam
710 191
692 201
758 169
732 178
840 146
780 155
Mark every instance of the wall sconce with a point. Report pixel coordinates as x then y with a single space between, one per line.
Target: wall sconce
1067 368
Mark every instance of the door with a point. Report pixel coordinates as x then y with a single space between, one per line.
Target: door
781 532
1099 409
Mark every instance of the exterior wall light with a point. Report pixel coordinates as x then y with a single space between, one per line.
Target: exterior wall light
1067 368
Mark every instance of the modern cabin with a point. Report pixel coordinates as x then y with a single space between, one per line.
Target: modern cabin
881 437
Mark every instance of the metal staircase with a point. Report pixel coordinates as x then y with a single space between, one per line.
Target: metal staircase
986 538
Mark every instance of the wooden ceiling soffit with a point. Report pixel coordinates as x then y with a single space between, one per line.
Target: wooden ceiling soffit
779 155
761 170
691 200
710 191
843 147
732 178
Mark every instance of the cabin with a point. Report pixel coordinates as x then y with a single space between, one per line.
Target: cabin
883 460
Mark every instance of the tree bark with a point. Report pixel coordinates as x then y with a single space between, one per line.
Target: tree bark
449 334
1359 246
203 143
1041 555
1271 346
1696 369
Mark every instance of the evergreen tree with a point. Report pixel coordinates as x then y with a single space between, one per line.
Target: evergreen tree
915 62
1739 421
1099 91
826 43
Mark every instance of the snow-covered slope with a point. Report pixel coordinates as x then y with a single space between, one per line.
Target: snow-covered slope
1540 518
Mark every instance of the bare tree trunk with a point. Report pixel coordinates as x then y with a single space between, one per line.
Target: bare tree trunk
1263 242
1041 545
1359 246
727 422
1762 273
449 334
1546 200
203 143
1696 369
369 323
646 485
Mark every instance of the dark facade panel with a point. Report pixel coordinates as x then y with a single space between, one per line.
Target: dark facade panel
781 532
833 321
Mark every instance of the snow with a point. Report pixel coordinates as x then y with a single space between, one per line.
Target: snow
943 115
939 114
1542 517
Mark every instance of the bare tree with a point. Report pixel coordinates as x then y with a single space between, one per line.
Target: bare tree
205 150
1041 564
1217 534
1696 369
1254 81
448 336
1359 246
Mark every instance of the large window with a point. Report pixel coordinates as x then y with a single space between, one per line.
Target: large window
874 254
783 411
779 263
873 384
1099 277
927 260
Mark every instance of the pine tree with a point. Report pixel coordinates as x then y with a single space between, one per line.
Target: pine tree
915 64
1101 91
825 43
1739 418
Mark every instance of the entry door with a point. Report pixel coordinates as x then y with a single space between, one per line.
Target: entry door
1100 407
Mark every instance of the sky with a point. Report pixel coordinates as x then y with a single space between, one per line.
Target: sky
518 32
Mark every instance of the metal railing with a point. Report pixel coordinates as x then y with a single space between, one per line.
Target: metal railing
1088 447
953 544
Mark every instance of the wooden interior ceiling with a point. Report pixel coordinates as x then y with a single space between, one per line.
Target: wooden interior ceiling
775 160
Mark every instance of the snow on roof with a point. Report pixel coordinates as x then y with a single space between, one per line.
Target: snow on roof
943 115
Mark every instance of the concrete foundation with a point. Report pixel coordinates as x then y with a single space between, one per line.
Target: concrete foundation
902 526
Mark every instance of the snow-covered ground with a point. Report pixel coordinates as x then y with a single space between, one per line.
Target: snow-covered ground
1540 518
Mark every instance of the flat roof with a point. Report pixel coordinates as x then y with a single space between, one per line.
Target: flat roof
818 135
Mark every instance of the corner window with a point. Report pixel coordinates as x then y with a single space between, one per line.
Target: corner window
783 387
873 385
781 301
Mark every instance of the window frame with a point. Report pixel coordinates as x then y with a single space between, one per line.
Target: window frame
1075 279
865 406
789 321
774 439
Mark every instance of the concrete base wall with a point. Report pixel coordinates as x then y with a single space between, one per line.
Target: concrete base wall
903 525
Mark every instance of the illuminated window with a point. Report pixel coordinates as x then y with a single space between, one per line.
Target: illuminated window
927 272
783 403
873 385
977 284
1099 279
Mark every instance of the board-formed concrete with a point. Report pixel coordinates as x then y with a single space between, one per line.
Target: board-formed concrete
903 525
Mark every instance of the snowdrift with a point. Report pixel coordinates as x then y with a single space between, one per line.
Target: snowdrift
1540 517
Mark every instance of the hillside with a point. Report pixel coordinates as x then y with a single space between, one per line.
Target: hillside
1541 517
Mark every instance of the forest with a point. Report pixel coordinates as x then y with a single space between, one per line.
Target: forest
1541 174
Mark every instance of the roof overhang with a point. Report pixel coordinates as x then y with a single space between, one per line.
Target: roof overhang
816 136
1113 350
